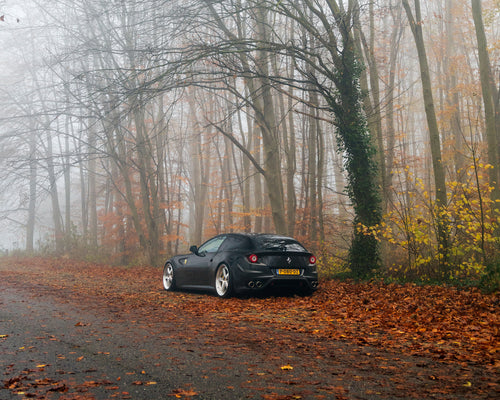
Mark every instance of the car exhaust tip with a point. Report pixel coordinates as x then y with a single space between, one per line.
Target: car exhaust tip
258 284
314 284
251 284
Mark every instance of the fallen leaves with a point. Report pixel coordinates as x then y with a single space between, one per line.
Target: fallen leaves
182 393
438 323
21 385
461 324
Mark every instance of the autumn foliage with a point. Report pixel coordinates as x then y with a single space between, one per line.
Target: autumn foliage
409 231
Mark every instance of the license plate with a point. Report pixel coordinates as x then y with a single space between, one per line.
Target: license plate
289 272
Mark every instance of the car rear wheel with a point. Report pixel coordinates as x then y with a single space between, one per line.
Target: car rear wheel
168 277
223 283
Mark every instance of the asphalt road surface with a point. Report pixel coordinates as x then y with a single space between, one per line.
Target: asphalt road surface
52 347
64 351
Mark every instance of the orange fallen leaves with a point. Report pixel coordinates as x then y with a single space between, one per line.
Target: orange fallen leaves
180 393
429 320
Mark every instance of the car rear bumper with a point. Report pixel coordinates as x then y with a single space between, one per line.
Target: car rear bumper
246 280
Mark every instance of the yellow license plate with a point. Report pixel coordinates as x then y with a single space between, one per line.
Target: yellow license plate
289 272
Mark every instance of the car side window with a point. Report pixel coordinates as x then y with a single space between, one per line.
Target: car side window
212 245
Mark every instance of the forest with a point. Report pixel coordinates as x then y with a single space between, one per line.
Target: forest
367 129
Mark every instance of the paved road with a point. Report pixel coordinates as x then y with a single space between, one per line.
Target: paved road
53 348
57 349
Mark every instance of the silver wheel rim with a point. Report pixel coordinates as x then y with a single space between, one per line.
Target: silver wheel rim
222 280
168 276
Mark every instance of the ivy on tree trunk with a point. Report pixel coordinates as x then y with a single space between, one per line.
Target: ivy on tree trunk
355 143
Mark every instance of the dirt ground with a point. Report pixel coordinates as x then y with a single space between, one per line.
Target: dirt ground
75 330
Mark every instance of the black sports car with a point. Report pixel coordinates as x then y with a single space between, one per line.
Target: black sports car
235 263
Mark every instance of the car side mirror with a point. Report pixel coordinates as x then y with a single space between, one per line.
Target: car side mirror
194 249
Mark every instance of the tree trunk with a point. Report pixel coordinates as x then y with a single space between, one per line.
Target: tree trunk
200 173
371 99
262 103
67 190
54 196
258 195
291 168
148 193
312 146
30 227
391 128
270 133
92 201
489 109
288 135
435 142
452 93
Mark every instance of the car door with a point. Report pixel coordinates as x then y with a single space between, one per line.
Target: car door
198 266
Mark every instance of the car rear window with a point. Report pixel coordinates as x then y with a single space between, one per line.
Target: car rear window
233 243
278 243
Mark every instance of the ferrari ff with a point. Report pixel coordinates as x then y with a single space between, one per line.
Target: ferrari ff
234 263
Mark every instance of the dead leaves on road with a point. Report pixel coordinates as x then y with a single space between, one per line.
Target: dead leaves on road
28 385
23 385
442 322
183 393
438 323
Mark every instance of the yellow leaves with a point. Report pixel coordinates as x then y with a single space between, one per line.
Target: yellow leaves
286 367
3 336
369 230
148 383
410 227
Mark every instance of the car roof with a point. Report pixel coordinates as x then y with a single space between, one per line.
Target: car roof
253 235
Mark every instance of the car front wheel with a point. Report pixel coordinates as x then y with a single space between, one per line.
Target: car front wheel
168 277
223 283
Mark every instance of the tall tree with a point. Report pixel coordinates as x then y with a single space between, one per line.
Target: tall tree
452 93
416 23
261 100
369 81
340 88
487 86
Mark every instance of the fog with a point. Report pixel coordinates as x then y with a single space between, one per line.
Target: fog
131 129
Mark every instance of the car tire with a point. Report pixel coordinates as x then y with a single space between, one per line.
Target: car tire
223 281
168 277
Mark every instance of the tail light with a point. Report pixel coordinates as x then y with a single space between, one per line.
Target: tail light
253 258
312 260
